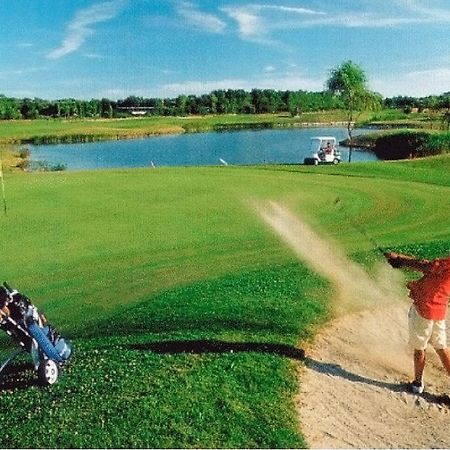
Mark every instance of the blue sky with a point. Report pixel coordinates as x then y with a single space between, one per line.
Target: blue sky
162 48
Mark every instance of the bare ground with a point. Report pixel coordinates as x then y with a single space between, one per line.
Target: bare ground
353 387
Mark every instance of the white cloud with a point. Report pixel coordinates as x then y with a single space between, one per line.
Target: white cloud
282 82
114 93
418 83
428 12
204 21
252 25
80 28
249 23
5 74
93 56
260 22
288 9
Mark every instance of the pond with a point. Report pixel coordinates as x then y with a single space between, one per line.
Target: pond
200 149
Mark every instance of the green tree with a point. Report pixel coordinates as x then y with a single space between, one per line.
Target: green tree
106 108
294 103
349 82
433 104
9 108
222 101
29 109
445 104
181 104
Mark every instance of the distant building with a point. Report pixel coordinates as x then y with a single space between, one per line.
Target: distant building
136 110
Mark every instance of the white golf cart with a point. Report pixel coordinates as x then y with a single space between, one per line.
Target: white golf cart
323 151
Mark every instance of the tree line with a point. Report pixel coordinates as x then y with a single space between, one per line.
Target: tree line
231 101
408 104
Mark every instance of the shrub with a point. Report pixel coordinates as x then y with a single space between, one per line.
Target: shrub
24 153
45 166
411 144
439 143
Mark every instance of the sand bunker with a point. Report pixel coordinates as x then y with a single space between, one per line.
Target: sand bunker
353 386
354 399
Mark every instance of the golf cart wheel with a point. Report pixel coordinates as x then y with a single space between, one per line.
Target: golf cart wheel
336 161
48 372
316 162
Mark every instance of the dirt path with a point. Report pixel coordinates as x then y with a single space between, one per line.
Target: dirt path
353 387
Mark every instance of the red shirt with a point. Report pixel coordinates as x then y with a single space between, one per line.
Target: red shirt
431 293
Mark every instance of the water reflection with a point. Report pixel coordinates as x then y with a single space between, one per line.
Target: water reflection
237 147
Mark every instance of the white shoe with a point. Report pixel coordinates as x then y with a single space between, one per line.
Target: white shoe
416 387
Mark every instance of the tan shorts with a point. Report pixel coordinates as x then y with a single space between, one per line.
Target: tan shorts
423 331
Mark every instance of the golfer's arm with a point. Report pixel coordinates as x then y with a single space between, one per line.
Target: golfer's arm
409 262
422 265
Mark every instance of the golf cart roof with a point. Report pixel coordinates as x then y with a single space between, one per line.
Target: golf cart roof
324 138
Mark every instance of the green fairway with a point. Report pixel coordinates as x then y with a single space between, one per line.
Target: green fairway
185 310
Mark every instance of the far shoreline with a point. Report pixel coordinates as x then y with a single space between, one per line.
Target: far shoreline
217 128
47 131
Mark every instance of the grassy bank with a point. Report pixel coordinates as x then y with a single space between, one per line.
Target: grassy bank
404 143
186 312
12 158
77 130
55 131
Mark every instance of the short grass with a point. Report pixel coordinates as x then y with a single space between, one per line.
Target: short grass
206 365
186 312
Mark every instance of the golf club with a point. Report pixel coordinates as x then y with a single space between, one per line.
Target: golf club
2 182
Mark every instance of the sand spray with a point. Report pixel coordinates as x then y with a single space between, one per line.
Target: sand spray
356 293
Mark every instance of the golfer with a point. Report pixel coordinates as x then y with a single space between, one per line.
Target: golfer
430 295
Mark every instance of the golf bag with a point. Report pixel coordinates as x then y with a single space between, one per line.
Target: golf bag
21 320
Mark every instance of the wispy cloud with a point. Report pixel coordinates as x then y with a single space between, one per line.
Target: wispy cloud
19 72
93 56
358 20
250 23
427 12
260 22
202 20
81 27
257 22
24 45
265 81
415 82
442 74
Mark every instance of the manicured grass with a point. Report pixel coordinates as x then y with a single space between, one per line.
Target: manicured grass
433 170
186 312
207 365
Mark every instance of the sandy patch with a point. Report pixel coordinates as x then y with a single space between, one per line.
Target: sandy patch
353 386
355 397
